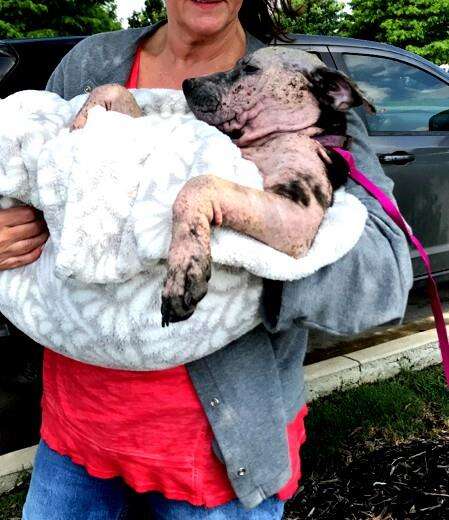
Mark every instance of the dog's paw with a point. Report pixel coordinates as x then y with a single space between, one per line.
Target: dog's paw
185 286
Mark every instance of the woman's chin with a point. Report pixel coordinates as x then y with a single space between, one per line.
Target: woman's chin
206 28
207 22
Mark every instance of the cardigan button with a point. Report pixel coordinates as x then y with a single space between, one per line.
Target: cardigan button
215 402
241 472
87 89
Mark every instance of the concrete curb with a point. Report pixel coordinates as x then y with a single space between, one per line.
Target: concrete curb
12 465
382 361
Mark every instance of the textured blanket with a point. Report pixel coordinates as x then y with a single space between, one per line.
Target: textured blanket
106 192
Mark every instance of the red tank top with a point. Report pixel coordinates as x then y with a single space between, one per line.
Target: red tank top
147 427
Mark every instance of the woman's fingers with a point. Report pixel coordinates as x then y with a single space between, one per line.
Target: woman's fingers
23 247
24 231
19 261
18 215
14 239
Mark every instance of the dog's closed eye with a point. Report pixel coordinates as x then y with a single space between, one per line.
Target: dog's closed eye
250 69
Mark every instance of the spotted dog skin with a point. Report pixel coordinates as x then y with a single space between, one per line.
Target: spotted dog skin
282 107
281 110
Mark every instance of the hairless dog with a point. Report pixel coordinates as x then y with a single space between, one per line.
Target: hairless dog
282 107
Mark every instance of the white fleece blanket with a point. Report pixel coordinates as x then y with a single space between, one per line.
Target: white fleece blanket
106 192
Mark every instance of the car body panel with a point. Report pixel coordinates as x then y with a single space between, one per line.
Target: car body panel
421 185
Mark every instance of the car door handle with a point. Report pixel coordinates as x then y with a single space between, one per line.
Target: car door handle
396 158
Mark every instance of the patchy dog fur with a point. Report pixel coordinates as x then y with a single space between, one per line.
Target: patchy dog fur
282 107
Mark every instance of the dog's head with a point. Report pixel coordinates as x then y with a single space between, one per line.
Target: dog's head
276 89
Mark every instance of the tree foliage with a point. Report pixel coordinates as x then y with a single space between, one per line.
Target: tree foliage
316 17
39 18
153 12
421 26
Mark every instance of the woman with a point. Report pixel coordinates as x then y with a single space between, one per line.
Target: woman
219 438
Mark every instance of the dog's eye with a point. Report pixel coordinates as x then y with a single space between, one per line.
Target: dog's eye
250 69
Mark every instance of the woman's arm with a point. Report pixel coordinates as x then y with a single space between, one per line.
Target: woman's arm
367 287
22 234
23 230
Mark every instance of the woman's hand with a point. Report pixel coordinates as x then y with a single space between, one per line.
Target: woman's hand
111 97
23 232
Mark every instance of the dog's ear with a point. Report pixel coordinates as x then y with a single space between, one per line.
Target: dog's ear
335 89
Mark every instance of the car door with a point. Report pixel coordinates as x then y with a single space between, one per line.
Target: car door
414 152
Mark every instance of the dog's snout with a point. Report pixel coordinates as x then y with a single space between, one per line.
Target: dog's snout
195 87
201 95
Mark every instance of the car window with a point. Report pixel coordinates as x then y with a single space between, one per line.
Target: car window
6 64
406 97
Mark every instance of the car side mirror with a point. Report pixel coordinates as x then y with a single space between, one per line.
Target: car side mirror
439 122
8 59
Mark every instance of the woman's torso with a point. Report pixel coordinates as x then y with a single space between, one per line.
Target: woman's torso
147 427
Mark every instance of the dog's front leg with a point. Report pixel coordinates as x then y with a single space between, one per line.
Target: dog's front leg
189 259
277 221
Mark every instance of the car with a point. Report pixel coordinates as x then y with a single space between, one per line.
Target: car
409 132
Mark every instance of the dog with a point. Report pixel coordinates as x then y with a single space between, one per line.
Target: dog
285 110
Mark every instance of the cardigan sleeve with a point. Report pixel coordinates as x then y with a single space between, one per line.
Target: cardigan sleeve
74 72
367 287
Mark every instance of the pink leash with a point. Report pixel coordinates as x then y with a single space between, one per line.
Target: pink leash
391 209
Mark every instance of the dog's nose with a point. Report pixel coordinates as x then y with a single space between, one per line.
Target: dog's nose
188 86
200 95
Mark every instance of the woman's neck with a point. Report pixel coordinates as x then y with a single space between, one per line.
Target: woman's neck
228 45
183 55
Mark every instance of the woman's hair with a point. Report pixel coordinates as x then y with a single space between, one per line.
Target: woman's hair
263 18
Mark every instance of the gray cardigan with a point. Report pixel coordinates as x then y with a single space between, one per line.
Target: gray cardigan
253 387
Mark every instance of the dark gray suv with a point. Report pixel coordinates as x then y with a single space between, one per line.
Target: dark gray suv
410 131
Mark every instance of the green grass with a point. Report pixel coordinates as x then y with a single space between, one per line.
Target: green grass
411 405
11 504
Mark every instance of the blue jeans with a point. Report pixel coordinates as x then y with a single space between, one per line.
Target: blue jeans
62 490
